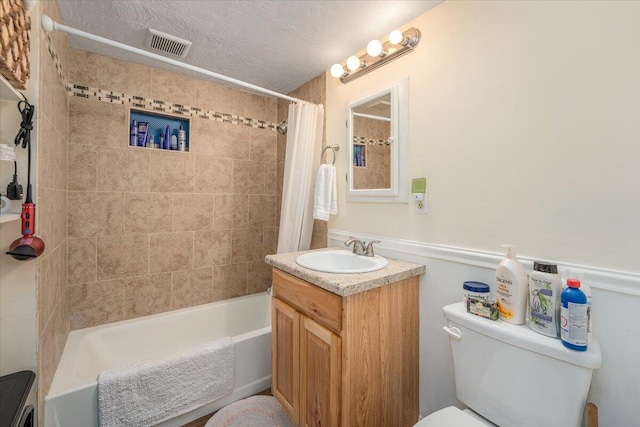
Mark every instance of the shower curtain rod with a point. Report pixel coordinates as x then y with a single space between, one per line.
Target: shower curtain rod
49 25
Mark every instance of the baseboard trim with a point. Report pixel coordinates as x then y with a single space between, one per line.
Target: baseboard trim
622 282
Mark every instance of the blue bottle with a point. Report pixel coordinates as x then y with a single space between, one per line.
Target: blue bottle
167 138
573 317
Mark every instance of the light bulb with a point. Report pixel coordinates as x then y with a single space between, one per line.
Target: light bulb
336 70
396 37
353 63
374 48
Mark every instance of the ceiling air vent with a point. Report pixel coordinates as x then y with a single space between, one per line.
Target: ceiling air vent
166 43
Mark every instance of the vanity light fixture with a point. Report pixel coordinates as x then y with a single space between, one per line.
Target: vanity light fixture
378 54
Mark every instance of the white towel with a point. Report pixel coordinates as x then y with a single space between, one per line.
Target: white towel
148 392
325 201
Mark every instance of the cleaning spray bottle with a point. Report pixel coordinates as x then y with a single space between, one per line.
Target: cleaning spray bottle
512 288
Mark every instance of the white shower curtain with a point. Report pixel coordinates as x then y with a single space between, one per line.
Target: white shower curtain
304 141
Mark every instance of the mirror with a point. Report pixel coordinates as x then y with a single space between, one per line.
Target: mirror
377 129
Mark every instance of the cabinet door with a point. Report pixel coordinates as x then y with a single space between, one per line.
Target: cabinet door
320 376
285 356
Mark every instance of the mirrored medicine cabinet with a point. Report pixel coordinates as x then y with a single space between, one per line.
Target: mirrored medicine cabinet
377 137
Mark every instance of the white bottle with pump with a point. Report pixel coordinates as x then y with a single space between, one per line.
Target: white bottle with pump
512 289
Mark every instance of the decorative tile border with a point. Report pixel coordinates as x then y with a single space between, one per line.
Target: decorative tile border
165 107
148 103
56 59
371 141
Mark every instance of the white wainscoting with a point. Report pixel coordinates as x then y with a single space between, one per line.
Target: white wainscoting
615 387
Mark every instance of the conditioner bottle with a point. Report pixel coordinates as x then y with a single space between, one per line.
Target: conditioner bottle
545 287
512 289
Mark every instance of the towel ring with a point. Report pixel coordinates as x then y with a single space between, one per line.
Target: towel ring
333 148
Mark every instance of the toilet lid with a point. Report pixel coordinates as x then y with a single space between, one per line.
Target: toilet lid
450 417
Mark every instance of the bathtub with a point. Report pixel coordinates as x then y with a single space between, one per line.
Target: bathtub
73 397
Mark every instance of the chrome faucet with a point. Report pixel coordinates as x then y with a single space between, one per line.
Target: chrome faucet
368 251
360 247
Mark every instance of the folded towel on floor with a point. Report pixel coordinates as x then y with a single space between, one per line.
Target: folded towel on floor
325 201
148 392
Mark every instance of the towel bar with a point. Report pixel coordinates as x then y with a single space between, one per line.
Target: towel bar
334 148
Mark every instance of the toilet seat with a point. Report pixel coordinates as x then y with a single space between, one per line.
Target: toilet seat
450 417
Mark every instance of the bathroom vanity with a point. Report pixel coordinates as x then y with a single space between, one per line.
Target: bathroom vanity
345 346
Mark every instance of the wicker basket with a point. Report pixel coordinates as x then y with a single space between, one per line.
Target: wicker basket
15 44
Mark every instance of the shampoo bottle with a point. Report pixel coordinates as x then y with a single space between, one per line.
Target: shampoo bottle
512 289
573 315
545 286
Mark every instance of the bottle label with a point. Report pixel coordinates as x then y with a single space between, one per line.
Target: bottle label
543 307
505 298
573 324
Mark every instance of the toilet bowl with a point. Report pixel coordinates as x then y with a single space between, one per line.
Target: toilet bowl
454 417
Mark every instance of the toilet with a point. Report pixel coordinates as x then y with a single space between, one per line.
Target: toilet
509 375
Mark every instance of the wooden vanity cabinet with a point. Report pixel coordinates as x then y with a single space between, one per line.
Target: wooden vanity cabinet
345 361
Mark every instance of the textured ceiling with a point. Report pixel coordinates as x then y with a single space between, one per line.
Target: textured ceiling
278 45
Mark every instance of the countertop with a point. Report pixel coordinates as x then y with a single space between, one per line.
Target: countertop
345 284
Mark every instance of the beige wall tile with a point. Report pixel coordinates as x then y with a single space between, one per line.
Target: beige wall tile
122 256
203 136
246 245
147 295
123 169
269 240
264 146
171 252
51 221
248 177
212 248
95 303
97 123
224 99
83 168
271 109
213 175
147 212
95 214
229 281
271 178
319 236
262 210
232 141
84 68
173 87
51 287
192 287
51 340
258 277
81 260
192 212
123 76
172 172
232 211
52 153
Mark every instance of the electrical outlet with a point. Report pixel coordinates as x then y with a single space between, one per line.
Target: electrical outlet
421 207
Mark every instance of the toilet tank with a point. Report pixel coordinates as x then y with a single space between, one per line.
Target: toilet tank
516 377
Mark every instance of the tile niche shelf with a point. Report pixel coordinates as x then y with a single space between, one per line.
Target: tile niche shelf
157 124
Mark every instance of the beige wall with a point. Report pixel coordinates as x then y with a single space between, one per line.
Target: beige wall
523 117
53 135
151 230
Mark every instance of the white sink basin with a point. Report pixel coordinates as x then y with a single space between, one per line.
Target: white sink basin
343 262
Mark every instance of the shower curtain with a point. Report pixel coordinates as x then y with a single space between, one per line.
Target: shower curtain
304 141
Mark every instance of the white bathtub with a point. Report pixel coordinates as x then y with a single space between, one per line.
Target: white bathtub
73 398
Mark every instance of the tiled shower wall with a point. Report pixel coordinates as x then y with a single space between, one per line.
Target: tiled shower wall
51 201
151 230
